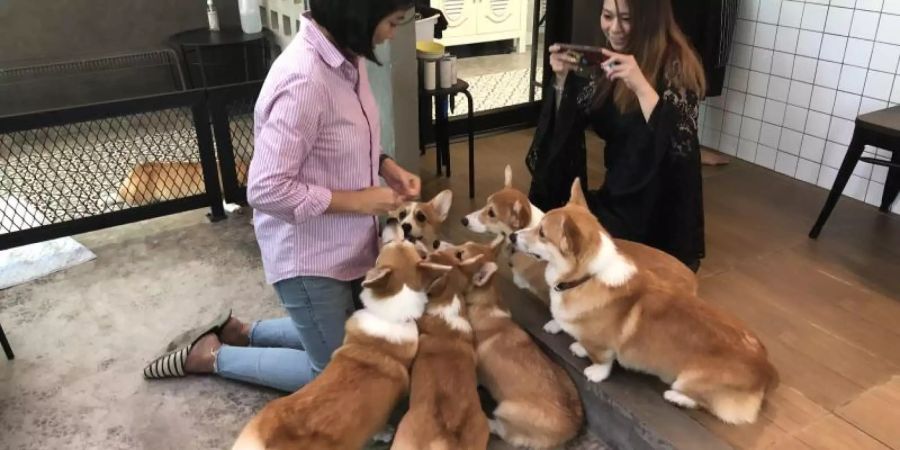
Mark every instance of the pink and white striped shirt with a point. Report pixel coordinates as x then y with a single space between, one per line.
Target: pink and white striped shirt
316 131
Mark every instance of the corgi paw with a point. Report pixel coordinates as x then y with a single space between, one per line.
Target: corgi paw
385 435
679 399
578 350
552 327
598 372
496 427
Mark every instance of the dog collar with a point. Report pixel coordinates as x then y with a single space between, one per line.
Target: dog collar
566 285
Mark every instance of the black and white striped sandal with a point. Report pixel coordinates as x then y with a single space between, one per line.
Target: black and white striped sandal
171 363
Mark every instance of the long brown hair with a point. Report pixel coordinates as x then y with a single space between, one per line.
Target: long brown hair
660 49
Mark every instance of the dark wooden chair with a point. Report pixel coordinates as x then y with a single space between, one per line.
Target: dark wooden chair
5 344
879 129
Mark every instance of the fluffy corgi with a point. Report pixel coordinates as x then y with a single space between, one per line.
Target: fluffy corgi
538 405
351 400
444 407
618 311
153 182
509 210
421 221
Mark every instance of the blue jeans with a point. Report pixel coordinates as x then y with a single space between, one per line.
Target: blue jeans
287 353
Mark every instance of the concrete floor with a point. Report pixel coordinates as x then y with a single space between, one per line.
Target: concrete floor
82 337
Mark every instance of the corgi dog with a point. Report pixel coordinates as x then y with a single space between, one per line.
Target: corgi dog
618 311
421 221
444 407
538 406
509 210
351 400
153 182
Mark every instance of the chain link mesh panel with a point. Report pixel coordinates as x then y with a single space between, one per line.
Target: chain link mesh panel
63 173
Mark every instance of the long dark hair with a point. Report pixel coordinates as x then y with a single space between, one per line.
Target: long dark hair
660 48
352 23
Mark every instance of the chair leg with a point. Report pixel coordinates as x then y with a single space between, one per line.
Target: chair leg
471 126
850 159
5 344
892 184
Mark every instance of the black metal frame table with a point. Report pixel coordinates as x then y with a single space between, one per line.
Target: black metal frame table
202 40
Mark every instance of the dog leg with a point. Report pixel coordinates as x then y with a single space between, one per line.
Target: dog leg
231 208
578 350
603 362
552 327
680 399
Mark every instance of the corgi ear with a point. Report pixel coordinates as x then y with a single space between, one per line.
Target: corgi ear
570 242
497 244
441 203
577 195
484 274
392 232
507 176
521 215
471 265
430 274
377 277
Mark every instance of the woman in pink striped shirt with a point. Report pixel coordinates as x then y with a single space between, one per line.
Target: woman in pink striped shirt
314 187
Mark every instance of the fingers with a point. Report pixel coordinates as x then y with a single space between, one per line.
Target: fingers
555 48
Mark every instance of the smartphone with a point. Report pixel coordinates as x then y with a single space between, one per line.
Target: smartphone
589 58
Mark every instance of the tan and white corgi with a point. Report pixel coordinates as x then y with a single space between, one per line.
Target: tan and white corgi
444 407
538 406
619 311
421 221
153 182
351 400
509 210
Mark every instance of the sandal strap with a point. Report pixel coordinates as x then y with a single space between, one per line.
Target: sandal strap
170 365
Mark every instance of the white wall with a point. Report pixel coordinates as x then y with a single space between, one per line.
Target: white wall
799 74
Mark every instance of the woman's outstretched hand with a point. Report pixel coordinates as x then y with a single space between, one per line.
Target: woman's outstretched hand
623 67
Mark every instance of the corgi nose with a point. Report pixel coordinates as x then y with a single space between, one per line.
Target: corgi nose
465 221
513 237
407 228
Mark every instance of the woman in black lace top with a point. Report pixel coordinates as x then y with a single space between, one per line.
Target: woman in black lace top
643 101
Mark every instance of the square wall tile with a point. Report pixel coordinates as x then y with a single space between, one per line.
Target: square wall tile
853 79
807 171
892 6
843 3
817 125
879 84
744 31
856 187
779 88
747 150
754 107
800 94
812 148
868 105
765 156
732 124
858 52
769 11
828 74
887 29
750 129
762 60
783 64
822 99
791 14
839 20
758 83
885 57
786 39
879 174
826 177
841 130
846 105
833 48
869 5
737 79
865 24
728 144
834 154
786 164
795 118
895 94
873 193
769 135
804 69
735 102
790 141
710 138
748 9
773 111
765 35
809 43
740 55
814 17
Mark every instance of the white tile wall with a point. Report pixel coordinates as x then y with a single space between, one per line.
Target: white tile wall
799 74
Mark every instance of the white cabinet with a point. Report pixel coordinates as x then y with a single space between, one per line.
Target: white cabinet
474 21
